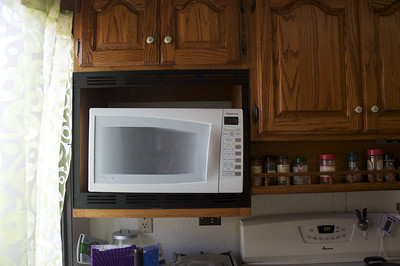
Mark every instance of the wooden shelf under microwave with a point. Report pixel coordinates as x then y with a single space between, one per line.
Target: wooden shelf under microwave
313 187
139 213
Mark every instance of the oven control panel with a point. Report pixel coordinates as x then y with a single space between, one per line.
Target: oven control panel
325 233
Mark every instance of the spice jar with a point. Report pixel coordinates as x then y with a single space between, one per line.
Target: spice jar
375 162
269 166
352 159
327 164
282 166
388 164
125 237
256 168
300 165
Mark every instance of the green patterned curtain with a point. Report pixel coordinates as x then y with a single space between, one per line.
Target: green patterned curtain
36 66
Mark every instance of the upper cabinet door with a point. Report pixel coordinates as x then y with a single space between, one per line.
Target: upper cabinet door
380 33
308 67
199 32
114 32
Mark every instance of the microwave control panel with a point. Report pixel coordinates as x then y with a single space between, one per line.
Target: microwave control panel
232 149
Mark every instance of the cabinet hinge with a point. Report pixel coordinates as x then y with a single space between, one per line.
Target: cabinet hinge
78 7
77 46
254 113
244 44
252 6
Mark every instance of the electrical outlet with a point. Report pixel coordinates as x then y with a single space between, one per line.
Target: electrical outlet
145 225
389 224
209 221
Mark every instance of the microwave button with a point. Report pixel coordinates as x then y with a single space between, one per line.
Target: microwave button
238 160
226 173
229 167
229 154
229 133
238 167
238 173
228 140
238 153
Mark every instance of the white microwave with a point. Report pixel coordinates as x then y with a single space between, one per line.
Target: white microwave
165 150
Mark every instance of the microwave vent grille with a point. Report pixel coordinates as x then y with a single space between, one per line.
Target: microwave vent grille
171 79
222 198
156 200
161 78
174 198
140 79
140 199
102 81
102 199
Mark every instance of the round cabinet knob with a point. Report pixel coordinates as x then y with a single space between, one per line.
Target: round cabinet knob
168 39
374 109
358 110
150 40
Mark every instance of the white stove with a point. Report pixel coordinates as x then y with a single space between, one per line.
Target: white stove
318 239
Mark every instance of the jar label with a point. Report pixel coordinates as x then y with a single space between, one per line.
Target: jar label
326 168
283 168
256 169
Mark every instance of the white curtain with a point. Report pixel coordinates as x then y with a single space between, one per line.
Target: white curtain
36 65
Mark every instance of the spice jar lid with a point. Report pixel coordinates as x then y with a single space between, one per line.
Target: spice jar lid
388 157
375 152
124 234
300 160
269 158
352 157
327 156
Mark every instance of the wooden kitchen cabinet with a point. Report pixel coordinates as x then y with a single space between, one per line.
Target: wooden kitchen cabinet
322 66
380 47
128 33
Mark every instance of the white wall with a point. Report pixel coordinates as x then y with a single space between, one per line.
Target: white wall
184 235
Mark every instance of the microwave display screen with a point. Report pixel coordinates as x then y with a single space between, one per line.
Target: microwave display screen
231 120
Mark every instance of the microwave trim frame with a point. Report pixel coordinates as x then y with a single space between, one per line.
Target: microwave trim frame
163 78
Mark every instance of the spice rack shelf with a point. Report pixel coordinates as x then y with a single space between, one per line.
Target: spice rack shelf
314 187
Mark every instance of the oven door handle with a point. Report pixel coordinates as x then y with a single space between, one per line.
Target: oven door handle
367 260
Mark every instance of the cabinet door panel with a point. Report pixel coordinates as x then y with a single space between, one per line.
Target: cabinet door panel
309 78
202 31
381 64
114 33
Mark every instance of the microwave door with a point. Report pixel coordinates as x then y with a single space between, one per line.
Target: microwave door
136 154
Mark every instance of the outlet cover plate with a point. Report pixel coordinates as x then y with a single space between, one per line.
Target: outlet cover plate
145 225
209 221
